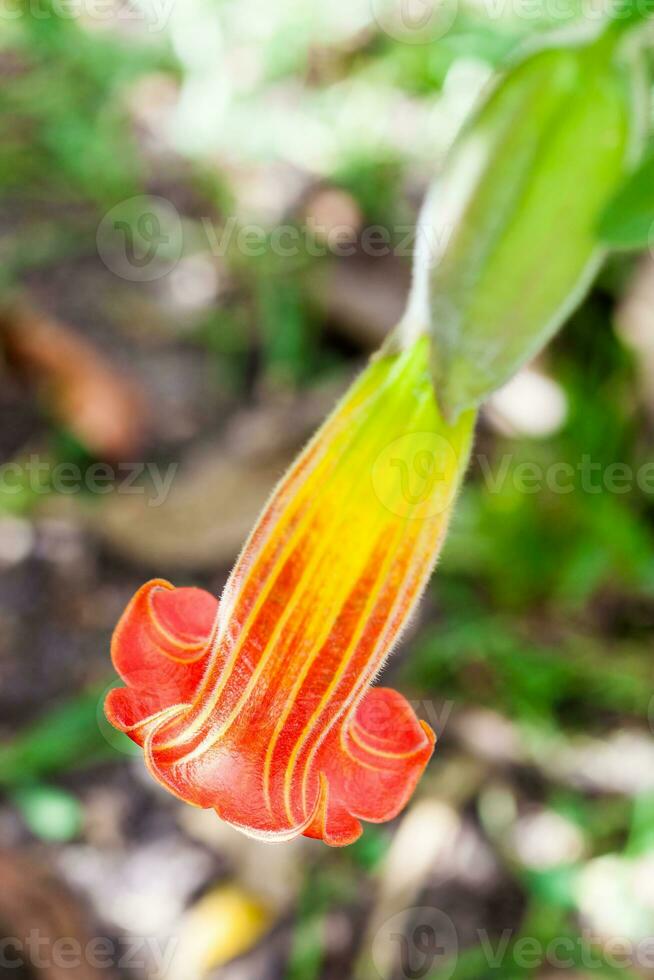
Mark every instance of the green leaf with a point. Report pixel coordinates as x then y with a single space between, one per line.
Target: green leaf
66 736
628 220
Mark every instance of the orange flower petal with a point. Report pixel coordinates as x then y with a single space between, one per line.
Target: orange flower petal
160 649
262 708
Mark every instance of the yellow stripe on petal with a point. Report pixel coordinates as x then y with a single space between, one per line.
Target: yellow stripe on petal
318 598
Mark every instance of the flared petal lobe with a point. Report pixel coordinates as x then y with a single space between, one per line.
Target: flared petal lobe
160 649
263 708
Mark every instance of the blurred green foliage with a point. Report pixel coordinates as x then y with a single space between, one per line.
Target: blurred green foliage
629 218
544 600
64 125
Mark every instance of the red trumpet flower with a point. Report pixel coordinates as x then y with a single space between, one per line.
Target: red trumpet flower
261 706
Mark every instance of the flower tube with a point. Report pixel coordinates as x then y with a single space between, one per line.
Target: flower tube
261 706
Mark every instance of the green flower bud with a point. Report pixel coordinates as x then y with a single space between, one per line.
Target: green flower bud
507 242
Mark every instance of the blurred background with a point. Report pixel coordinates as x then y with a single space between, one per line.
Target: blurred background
206 213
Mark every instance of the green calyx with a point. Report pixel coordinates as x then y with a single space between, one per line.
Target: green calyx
507 240
627 14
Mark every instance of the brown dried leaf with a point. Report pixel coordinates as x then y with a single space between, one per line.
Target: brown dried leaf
38 911
82 389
